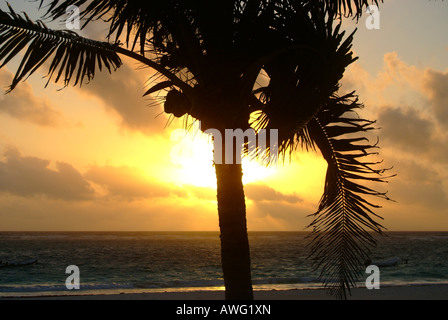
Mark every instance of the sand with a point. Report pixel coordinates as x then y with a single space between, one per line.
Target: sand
420 292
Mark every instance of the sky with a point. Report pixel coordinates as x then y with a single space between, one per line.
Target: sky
104 158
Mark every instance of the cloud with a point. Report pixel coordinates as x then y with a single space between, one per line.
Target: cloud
121 91
419 184
263 193
36 196
411 105
272 215
405 128
201 193
399 72
414 132
435 86
103 213
396 82
399 82
31 176
130 183
22 104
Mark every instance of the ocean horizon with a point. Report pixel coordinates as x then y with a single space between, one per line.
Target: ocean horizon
176 261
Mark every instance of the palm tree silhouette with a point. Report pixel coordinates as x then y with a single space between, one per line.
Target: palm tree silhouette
210 54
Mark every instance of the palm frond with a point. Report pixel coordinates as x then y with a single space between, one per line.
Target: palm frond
304 74
134 19
342 226
348 8
161 34
74 57
159 86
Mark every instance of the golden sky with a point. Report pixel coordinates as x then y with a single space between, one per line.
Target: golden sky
101 157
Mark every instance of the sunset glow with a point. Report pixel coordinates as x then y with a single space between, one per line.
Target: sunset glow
102 157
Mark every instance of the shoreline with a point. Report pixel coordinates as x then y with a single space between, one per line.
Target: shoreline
409 292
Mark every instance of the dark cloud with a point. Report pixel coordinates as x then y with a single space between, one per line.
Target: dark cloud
409 130
122 92
420 168
405 128
263 193
279 216
22 104
418 184
273 210
107 214
436 85
31 176
130 184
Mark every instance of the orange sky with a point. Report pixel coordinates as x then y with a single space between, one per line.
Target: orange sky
100 158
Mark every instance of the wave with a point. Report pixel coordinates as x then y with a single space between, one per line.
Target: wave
58 288
108 235
206 283
180 286
220 283
155 259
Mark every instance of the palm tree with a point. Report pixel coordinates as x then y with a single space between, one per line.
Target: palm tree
210 54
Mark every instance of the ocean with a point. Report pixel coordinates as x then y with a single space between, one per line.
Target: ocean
128 262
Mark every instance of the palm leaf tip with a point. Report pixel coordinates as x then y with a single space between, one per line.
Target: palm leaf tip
74 58
348 8
342 236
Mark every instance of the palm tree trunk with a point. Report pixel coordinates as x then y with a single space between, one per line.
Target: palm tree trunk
235 253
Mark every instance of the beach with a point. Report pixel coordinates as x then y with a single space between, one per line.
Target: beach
417 292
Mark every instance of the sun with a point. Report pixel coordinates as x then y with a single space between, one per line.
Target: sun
253 171
193 154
